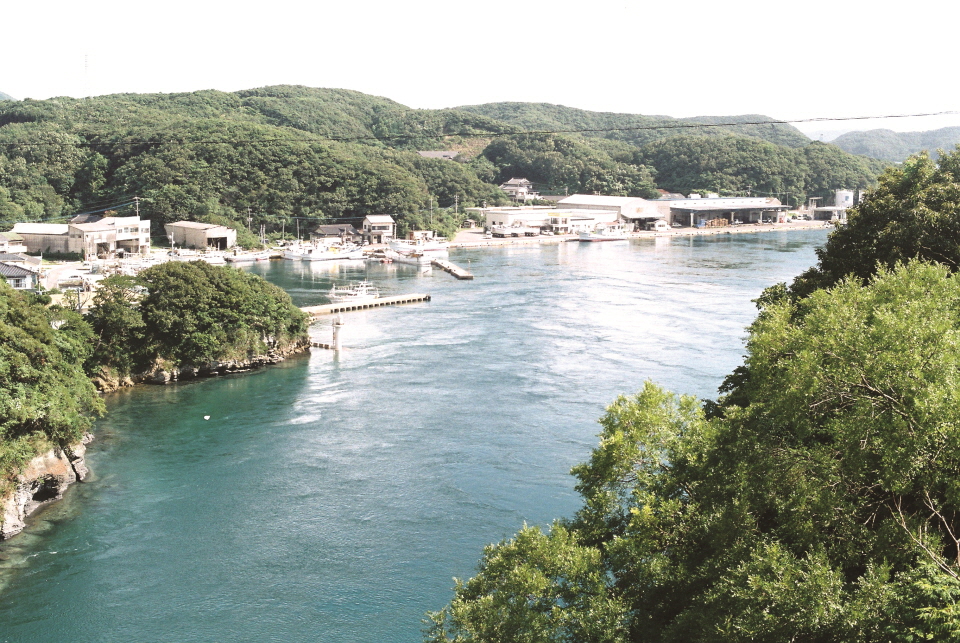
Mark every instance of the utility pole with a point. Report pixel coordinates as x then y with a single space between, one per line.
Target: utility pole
136 204
249 220
456 203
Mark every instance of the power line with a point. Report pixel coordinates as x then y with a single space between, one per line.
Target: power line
468 133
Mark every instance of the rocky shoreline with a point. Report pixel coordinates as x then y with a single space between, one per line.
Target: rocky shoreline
162 374
41 482
47 476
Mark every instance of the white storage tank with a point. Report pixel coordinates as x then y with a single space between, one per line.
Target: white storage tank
844 199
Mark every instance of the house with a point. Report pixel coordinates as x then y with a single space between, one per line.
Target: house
379 228
343 232
519 190
192 234
18 277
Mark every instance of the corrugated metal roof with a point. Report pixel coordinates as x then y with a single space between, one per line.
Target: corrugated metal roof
93 227
599 199
195 225
41 228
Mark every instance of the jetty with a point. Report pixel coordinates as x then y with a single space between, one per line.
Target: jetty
345 307
452 268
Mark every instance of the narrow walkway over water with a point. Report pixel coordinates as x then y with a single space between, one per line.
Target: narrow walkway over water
343 307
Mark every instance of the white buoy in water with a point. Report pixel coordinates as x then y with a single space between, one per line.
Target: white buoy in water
206 417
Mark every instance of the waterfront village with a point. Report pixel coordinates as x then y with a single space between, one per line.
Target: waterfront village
106 244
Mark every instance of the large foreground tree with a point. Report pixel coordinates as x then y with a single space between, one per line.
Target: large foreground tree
818 502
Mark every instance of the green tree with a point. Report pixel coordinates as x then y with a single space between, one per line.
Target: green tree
914 212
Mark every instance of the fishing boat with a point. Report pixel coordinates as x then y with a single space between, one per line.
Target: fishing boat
360 291
331 253
248 257
605 234
432 247
409 258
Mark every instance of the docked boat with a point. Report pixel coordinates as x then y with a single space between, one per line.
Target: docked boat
410 258
605 234
360 291
331 253
248 257
431 247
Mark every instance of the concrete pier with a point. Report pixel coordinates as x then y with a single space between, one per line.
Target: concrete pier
344 307
452 268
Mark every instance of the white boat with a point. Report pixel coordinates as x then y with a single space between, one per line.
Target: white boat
248 257
361 291
432 247
605 234
331 253
410 258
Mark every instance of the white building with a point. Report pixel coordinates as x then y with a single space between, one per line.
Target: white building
193 234
520 190
629 210
103 238
379 228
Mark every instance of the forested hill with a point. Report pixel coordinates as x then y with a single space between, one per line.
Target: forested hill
634 128
887 145
297 156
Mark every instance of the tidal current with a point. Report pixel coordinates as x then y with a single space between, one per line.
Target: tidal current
333 497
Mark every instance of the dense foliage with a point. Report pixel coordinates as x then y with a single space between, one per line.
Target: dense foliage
635 129
738 165
895 147
46 398
296 154
914 212
189 314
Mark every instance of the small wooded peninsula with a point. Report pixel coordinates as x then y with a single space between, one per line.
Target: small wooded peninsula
174 320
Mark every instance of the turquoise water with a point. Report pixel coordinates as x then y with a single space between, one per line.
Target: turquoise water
332 498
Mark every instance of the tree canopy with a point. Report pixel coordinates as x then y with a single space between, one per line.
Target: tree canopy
913 213
46 398
188 314
822 506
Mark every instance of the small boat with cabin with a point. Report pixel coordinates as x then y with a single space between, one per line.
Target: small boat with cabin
358 292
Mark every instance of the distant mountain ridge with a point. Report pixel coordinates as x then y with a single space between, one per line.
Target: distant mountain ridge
649 128
6 96
895 147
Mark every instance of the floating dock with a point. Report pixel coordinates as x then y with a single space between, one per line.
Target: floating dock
452 268
345 307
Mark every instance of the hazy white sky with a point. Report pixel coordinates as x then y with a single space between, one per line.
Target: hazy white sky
790 61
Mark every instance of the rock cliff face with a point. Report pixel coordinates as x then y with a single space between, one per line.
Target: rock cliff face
43 480
159 374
